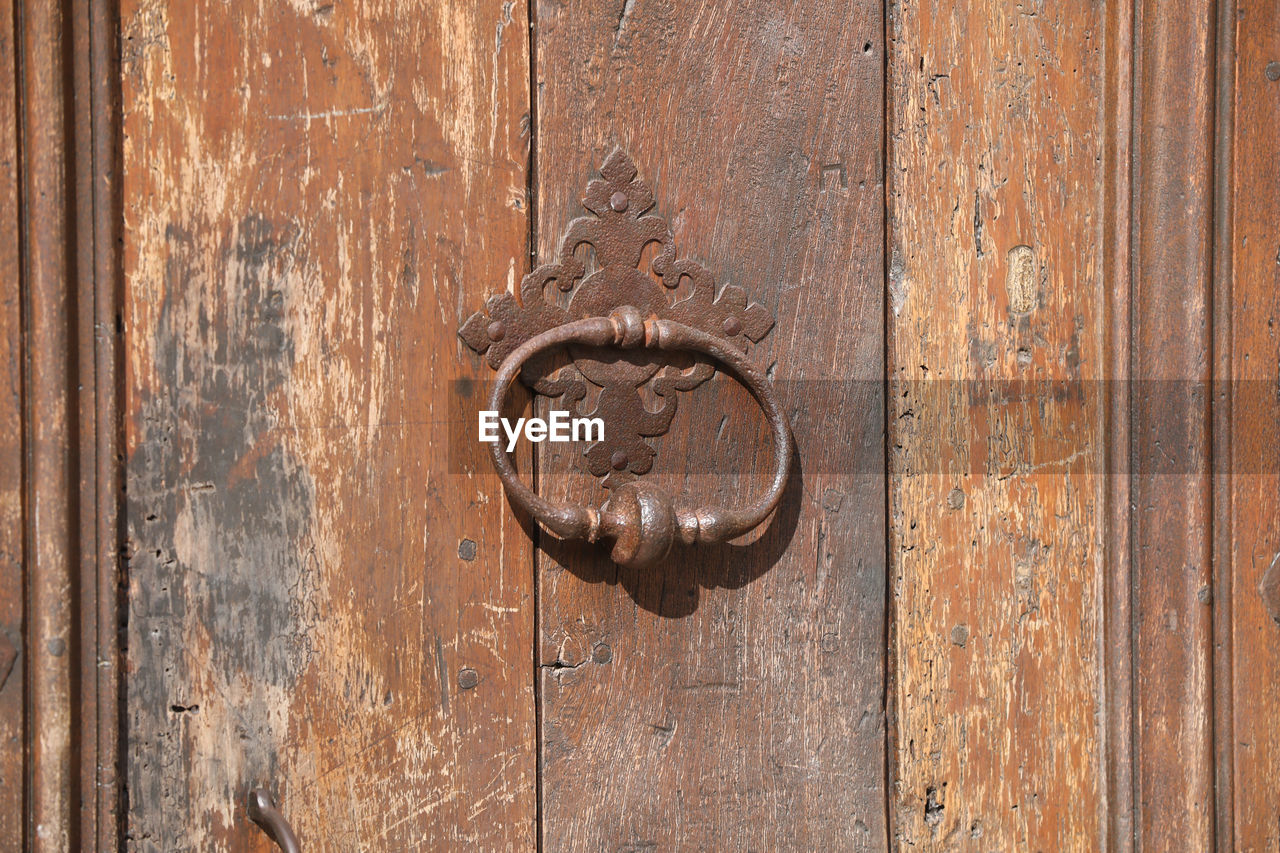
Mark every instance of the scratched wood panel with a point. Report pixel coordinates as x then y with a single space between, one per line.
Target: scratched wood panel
731 698
11 530
315 195
995 336
1253 512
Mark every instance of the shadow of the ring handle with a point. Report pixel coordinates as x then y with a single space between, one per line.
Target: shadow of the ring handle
721 566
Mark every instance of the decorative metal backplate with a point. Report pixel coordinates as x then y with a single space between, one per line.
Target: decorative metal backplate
619 229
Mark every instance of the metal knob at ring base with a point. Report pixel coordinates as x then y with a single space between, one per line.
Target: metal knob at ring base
642 520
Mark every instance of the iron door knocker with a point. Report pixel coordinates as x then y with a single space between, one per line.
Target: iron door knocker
620 306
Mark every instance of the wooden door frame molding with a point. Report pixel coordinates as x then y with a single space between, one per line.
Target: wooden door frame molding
65 151
1185 200
1179 599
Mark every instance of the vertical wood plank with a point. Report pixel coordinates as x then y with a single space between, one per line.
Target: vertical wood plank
996 336
50 481
731 698
323 600
12 670
83 400
60 257
99 118
1116 525
93 214
1222 542
1254 509
1170 475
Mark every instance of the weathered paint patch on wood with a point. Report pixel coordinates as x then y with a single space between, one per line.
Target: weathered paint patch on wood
995 424
731 698
315 195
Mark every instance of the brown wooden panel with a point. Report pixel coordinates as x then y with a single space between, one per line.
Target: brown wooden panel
315 195
11 534
996 334
731 698
1253 511
1170 463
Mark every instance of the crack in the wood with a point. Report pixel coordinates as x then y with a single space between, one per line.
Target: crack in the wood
620 30
557 666
977 223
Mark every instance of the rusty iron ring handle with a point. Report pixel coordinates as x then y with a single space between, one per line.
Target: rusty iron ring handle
263 812
644 521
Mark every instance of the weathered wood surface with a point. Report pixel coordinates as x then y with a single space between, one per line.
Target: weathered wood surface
995 337
330 597
12 540
1169 399
58 643
100 289
1251 690
321 599
731 698
93 214
51 487
1116 693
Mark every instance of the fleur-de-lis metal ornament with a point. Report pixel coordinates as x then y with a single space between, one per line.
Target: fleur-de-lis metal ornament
619 227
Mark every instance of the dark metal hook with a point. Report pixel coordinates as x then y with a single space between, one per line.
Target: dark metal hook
263 812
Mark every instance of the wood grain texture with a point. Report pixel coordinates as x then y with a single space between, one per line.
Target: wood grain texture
58 664
731 698
1253 511
316 194
1171 450
50 432
996 502
100 242
1116 526
1222 307
93 214
12 671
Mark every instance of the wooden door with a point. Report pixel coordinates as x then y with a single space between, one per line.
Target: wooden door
1020 591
